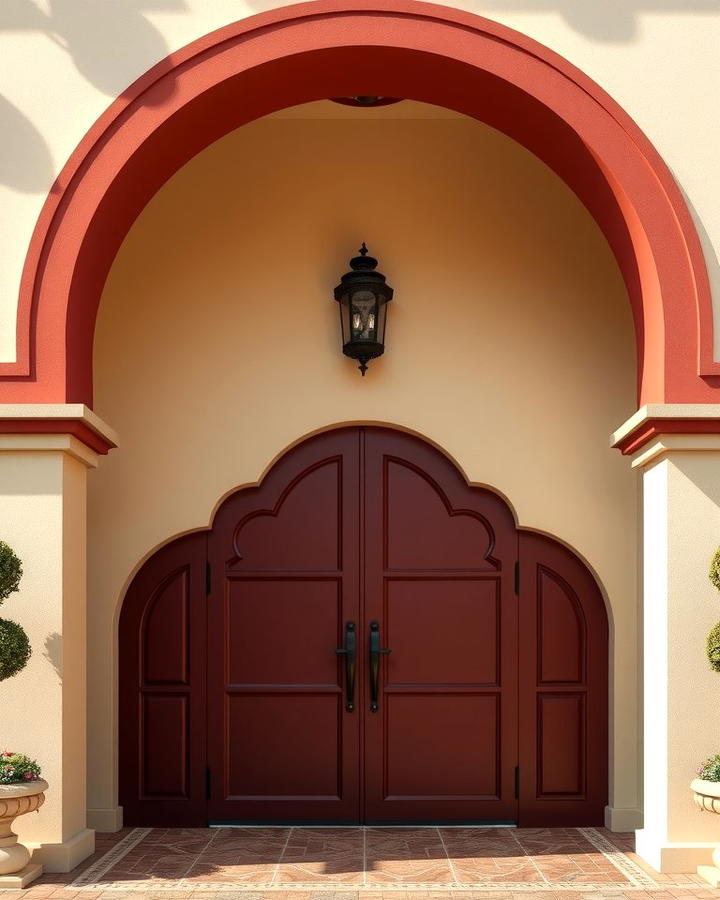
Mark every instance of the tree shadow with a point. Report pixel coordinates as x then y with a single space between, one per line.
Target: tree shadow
54 652
25 163
97 34
711 258
611 20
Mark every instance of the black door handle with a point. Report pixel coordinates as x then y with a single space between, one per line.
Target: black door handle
349 651
376 651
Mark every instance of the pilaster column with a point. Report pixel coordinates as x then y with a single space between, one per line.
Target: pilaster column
678 452
45 451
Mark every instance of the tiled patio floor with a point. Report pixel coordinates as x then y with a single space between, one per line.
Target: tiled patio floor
365 864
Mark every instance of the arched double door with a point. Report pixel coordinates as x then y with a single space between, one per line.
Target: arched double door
363 638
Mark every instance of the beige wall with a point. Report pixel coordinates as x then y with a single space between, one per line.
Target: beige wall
509 344
63 63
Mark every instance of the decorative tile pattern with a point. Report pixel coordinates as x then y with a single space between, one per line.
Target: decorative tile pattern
367 864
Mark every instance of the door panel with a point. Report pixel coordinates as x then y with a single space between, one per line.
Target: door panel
162 688
285 578
442 746
463 634
290 749
563 688
282 632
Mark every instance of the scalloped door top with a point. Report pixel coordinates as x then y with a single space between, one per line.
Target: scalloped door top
302 532
424 532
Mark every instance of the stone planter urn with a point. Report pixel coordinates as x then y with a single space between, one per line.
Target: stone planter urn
16 800
707 796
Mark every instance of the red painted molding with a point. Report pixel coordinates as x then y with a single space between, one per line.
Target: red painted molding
399 48
79 430
653 428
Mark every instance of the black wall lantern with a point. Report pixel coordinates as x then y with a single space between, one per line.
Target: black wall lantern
363 296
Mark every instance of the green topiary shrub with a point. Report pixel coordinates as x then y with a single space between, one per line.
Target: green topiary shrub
10 571
14 649
14 644
713 648
713 639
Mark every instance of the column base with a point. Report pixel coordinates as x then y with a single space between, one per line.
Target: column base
64 857
710 874
618 819
105 820
672 857
22 878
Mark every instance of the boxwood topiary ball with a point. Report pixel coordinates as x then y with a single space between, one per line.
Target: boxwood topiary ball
14 649
10 571
714 573
713 648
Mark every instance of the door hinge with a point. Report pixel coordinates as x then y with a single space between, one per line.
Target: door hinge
208 578
208 783
517 577
517 782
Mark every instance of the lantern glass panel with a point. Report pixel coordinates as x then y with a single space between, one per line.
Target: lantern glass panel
364 316
345 317
381 316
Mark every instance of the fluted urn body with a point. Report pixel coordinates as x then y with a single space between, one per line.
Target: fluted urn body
707 797
16 800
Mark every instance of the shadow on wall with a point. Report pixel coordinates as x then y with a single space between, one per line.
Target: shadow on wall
611 20
97 34
25 161
54 653
711 258
603 20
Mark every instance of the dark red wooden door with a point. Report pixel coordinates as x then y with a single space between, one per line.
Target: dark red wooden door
163 652
491 705
563 688
284 559
439 567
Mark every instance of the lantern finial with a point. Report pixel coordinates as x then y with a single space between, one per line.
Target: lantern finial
363 250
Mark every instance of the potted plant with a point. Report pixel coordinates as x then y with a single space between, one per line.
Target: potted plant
21 788
706 790
706 787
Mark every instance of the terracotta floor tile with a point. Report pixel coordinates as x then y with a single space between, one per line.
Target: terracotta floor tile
410 870
342 869
202 871
322 853
423 843
479 871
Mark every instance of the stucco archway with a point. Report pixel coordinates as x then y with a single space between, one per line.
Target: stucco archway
392 47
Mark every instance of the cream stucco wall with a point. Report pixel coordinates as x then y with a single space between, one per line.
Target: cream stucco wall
510 345
63 63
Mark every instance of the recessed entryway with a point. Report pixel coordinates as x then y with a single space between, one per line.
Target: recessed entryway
364 638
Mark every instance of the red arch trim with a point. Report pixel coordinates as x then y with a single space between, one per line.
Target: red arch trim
393 48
